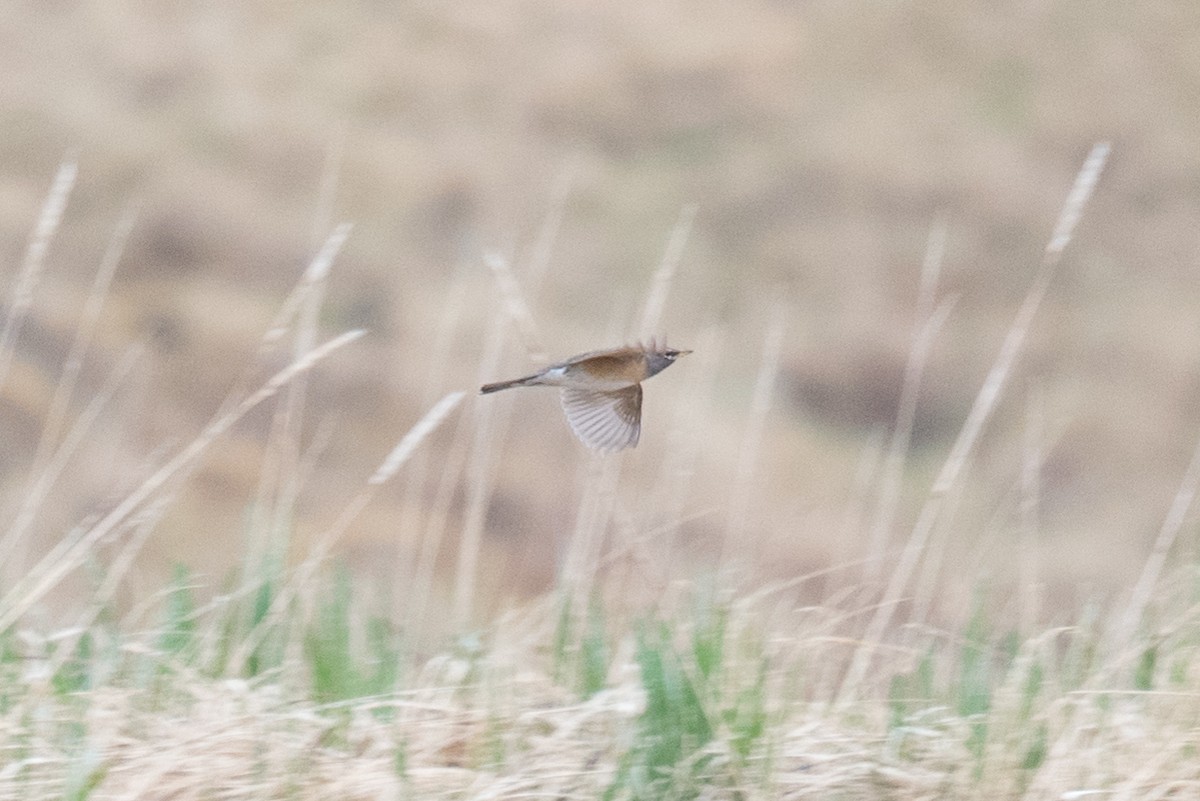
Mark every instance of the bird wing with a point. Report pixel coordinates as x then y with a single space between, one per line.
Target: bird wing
605 421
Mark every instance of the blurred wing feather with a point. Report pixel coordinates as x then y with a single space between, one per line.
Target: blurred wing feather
605 421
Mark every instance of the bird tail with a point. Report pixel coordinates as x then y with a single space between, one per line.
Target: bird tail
487 389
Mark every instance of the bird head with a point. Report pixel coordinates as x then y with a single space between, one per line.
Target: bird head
660 358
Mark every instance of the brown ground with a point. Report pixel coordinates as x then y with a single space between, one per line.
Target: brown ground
819 141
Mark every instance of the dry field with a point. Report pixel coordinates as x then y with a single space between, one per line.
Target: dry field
915 521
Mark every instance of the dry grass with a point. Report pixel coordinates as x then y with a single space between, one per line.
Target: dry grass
1052 717
629 681
967 603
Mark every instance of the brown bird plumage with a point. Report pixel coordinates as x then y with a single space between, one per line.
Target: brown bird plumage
602 391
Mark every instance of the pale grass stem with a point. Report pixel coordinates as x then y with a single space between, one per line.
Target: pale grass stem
929 321
30 273
1016 500
277 481
65 389
48 573
683 452
426 426
489 426
47 463
303 574
1167 534
436 524
989 393
314 276
596 508
12 545
626 523
924 586
142 525
538 259
331 171
867 471
741 498
409 540
664 276
516 306
1033 452
480 476
287 421
980 413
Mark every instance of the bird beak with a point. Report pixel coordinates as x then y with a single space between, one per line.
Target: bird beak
684 352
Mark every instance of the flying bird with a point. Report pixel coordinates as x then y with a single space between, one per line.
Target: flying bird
602 391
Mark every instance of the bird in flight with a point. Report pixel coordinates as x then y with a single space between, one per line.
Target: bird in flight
602 391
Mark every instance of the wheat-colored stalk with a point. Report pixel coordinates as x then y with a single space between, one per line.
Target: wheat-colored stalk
981 411
30 274
1168 532
52 455
930 319
50 570
480 478
664 276
761 401
1033 454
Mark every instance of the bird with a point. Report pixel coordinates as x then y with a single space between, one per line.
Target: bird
602 391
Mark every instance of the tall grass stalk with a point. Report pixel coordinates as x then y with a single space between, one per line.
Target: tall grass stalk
30 273
12 550
537 260
64 390
980 413
517 307
930 318
668 511
14 544
433 532
740 502
331 171
602 474
46 574
1167 534
489 423
664 276
270 526
1033 452
305 573
285 448
409 539
480 475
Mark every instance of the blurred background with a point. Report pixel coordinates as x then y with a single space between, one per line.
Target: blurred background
806 150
